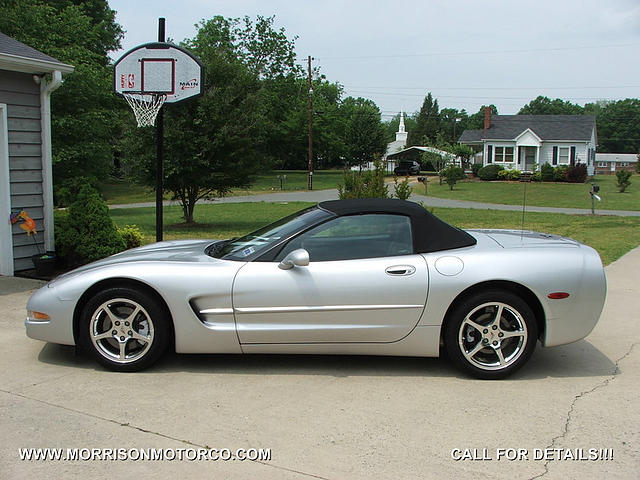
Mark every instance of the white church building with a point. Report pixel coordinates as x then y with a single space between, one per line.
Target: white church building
398 144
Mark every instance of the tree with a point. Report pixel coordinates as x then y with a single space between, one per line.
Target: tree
86 116
623 180
212 143
364 134
476 121
618 125
427 123
545 106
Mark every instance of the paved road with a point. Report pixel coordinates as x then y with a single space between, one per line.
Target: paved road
322 195
328 417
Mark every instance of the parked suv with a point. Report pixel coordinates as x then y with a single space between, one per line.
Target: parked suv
407 168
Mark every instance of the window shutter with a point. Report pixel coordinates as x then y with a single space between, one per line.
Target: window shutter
489 153
572 159
554 158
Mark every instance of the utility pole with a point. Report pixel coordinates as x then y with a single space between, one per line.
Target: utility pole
310 175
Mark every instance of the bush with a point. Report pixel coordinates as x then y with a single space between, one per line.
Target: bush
85 232
576 173
365 184
131 234
403 189
546 172
502 174
65 194
623 180
475 167
514 174
490 172
536 177
560 173
452 174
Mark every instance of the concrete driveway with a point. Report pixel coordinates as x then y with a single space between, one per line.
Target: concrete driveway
329 417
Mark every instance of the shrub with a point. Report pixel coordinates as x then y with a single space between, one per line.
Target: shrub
576 173
475 167
131 234
513 174
490 172
365 184
560 173
65 194
403 189
503 174
536 177
546 172
452 174
86 233
623 180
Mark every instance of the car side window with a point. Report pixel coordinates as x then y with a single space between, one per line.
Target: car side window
354 237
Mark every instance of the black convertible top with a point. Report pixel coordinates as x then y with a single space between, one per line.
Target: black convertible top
430 234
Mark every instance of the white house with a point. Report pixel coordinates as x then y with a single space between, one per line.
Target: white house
27 78
525 142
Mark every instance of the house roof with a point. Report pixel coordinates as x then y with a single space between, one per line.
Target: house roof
616 157
546 127
18 57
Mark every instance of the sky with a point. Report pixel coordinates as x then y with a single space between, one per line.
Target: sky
467 53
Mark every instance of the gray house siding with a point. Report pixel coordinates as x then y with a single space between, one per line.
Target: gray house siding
22 97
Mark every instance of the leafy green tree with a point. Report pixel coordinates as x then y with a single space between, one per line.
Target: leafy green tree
86 116
427 123
618 125
476 121
364 134
545 106
452 175
623 180
212 143
364 184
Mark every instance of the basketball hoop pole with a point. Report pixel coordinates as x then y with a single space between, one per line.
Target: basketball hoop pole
159 151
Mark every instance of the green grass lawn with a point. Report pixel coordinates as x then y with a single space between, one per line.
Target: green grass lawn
611 236
122 191
572 195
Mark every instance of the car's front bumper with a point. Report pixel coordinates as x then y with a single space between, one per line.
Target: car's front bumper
59 327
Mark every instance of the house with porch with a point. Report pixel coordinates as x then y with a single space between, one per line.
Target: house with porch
525 142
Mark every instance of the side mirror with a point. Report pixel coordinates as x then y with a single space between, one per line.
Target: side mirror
299 257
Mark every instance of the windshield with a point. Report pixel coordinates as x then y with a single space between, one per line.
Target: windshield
266 237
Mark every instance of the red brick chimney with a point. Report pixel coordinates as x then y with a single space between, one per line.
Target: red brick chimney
487 117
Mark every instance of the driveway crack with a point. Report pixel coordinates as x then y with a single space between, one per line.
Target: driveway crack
604 383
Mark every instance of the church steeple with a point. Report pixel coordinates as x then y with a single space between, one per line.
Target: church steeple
401 134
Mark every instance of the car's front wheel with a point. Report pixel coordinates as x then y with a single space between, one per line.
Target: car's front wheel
490 335
124 329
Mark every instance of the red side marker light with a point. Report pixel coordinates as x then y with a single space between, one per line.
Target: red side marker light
558 295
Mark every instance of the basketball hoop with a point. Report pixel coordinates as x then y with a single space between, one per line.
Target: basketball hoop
145 106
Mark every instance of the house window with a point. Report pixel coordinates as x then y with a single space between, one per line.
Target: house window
602 164
503 154
563 155
624 164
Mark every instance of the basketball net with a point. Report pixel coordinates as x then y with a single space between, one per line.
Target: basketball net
145 110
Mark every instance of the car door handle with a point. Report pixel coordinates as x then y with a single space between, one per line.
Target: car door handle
400 270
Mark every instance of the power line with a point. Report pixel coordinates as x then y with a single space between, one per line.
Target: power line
482 52
490 88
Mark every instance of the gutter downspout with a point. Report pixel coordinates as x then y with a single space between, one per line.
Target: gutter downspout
46 88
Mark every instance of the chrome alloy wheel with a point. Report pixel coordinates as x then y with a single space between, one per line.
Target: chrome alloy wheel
121 330
492 336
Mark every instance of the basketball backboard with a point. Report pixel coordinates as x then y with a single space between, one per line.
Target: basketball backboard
158 69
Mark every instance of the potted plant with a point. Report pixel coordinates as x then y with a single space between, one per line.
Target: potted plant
44 262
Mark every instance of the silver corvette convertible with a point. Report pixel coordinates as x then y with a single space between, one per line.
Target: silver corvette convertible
373 277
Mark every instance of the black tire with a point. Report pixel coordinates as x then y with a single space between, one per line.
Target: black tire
485 348
125 330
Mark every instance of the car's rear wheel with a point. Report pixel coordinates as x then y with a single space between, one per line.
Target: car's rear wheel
490 335
124 329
